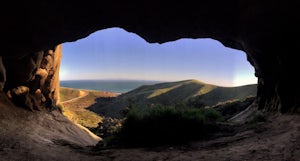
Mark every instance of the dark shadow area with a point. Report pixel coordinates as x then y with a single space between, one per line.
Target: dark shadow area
231 108
100 103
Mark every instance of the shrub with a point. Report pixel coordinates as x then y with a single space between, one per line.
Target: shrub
107 127
257 121
166 125
257 118
195 102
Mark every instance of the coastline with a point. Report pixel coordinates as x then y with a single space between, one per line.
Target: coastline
114 86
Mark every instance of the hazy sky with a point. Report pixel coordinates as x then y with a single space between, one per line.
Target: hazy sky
117 54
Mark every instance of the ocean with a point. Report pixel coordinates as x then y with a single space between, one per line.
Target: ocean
118 86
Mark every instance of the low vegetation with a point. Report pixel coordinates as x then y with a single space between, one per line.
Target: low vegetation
83 117
164 125
107 127
257 122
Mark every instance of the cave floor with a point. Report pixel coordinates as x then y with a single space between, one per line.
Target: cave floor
274 140
43 136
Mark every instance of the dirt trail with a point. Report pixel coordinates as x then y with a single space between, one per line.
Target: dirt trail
82 94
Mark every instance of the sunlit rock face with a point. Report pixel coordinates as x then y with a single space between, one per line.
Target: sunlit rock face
32 81
263 29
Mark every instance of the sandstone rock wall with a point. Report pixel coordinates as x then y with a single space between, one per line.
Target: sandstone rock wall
33 80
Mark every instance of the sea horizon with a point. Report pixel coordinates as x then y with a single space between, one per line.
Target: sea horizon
108 85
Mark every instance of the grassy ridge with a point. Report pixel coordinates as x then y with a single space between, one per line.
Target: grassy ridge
174 93
68 93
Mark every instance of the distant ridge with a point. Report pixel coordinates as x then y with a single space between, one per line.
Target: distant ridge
172 93
118 86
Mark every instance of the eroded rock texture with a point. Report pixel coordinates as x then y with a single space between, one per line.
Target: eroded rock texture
263 29
33 80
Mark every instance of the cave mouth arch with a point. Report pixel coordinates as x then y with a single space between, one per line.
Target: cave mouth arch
114 53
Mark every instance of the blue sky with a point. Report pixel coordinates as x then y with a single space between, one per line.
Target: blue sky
117 54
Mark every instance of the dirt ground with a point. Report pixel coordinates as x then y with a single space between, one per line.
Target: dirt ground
278 139
44 136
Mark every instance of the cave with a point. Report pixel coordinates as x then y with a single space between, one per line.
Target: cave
32 33
263 30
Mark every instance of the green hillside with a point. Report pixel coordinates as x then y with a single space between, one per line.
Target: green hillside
175 93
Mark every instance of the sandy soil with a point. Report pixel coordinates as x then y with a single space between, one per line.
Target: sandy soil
44 136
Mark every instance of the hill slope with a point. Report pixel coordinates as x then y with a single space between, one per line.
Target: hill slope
68 93
75 101
174 93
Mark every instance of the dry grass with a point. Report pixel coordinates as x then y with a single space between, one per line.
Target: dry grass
161 91
76 109
68 93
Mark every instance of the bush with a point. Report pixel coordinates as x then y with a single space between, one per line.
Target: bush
195 102
257 118
257 122
107 127
166 125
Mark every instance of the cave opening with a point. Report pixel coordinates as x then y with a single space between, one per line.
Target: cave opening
115 54
31 52
192 73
